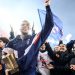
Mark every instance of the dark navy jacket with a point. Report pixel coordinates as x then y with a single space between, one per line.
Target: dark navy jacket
27 63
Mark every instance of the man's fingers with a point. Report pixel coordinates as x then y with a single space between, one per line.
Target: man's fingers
72 67
46 2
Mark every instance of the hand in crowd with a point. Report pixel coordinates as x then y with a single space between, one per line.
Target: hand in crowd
57 55
7 71
0 67
72 67
49 66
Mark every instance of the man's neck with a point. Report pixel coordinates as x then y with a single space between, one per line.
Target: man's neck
24 35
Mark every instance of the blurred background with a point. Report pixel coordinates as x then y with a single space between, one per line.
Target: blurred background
13 12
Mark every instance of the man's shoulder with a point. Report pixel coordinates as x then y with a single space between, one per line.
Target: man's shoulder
18 37
15 39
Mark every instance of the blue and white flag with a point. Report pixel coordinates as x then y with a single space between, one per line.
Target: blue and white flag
56 33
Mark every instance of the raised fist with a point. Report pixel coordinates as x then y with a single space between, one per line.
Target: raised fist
46 2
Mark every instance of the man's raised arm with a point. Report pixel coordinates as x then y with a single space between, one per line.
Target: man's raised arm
31 56
48 21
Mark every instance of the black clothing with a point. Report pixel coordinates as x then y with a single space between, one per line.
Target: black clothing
61 63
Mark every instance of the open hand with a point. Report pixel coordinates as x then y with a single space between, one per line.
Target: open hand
72 67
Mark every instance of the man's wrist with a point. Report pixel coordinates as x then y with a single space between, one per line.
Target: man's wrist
46 4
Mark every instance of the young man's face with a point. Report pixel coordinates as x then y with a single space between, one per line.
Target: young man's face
43 47
2 44
63 47
25 27
57 48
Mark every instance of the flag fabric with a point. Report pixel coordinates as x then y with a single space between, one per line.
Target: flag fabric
56 33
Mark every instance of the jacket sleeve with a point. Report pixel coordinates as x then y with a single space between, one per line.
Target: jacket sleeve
48 24
51 53
69 45
62 67
67 58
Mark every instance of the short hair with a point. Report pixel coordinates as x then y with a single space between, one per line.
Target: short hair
4 39
26 22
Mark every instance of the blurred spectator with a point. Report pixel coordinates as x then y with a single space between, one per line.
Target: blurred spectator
43 61
3 42
60 63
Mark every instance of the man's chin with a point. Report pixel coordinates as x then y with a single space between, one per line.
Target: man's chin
62 50
25 33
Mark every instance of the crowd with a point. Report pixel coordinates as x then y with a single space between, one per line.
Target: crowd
60 61
31 55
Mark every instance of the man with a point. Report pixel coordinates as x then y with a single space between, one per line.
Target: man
43 60
3 42
27 46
